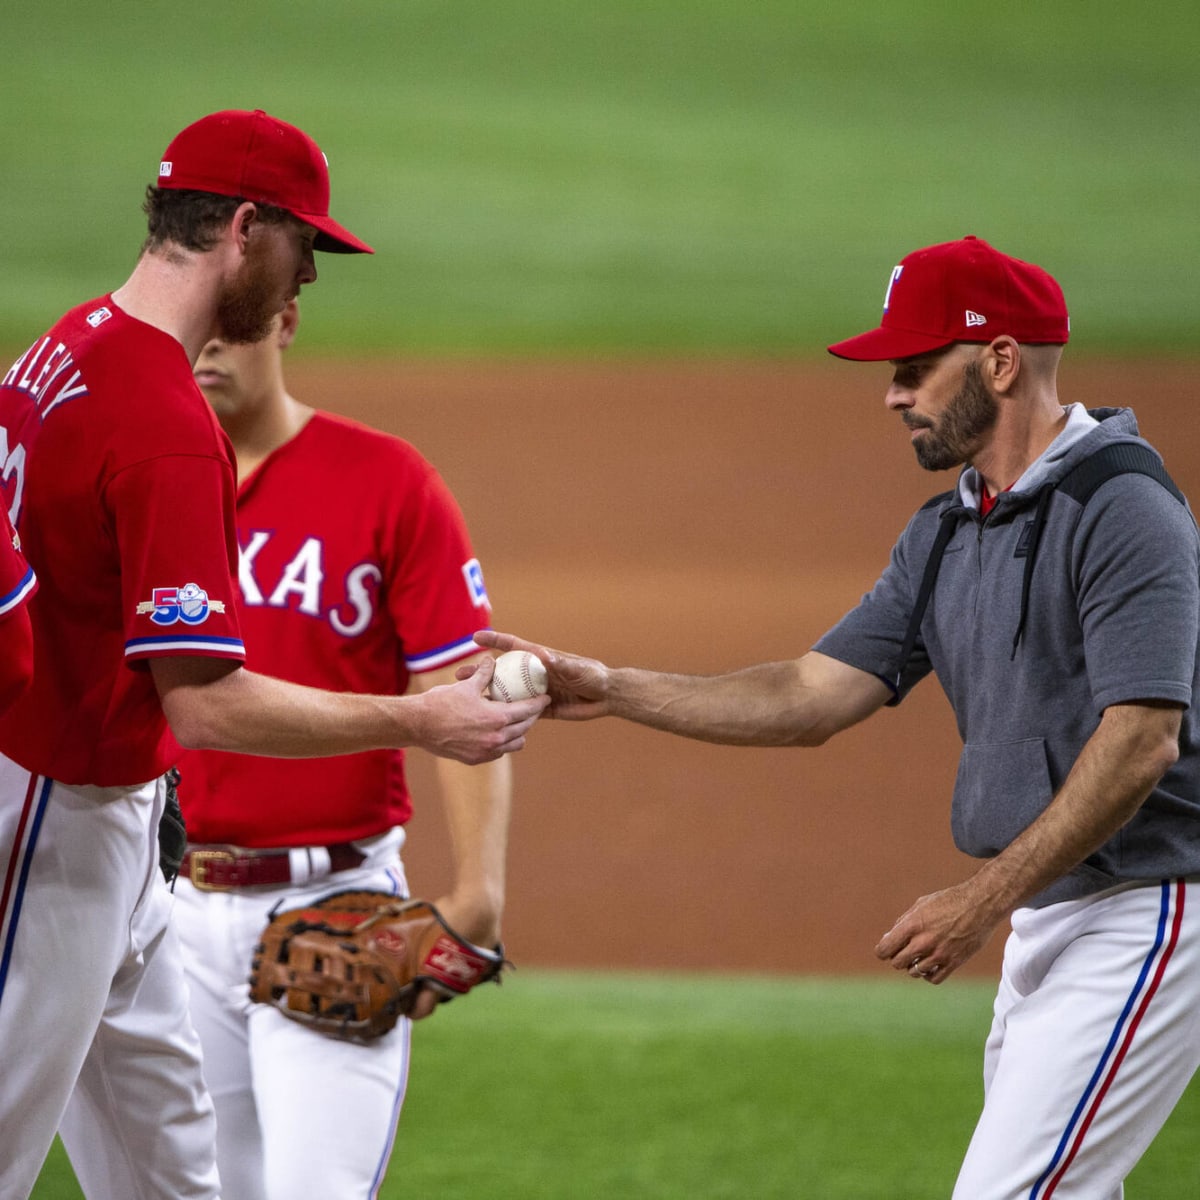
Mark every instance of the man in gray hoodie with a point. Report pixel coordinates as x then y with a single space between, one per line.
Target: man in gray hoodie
1055 594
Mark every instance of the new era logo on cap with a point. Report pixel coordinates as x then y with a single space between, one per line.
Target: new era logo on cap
258 157
964 291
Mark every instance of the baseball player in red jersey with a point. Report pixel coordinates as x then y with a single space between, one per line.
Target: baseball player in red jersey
356 574
123 493
17 584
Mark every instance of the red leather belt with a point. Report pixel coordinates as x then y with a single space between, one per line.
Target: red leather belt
219 868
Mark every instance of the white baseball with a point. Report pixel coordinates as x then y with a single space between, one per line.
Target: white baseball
519 676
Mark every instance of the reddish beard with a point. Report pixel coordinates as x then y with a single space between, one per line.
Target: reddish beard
246 309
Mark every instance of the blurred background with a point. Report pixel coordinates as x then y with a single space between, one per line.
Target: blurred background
613 240
632 176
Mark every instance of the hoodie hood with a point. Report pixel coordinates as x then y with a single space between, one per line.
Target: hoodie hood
1098 427
1086 435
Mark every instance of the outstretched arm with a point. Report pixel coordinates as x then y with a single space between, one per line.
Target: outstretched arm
1134 745
213 704
801 702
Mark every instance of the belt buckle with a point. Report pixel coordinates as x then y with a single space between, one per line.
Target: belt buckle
198 864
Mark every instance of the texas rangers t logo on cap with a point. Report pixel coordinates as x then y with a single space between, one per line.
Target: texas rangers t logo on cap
887 296
963 291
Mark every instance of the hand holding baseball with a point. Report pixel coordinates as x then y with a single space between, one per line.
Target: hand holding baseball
459 720
578 686
519 675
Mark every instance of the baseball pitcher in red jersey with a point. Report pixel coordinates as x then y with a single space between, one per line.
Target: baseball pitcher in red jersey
123 494
356 574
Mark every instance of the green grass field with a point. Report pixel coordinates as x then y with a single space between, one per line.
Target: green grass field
578 1085
633 176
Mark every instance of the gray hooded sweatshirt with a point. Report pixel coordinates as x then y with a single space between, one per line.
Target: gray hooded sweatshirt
1042 615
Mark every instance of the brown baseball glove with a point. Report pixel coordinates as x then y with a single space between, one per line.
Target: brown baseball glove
352 964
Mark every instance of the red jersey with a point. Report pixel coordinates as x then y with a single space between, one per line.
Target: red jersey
123 486
17 584
356 572
17 581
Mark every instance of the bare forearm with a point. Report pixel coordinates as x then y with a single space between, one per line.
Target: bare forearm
248 713
796 703
1115 772
215 705
750 708
477 802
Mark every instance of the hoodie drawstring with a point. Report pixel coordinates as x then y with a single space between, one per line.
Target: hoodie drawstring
1035 536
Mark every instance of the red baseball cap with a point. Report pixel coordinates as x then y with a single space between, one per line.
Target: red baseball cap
260 158
964 291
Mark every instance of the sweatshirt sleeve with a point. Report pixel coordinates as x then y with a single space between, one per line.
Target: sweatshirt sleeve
1136 562
871 635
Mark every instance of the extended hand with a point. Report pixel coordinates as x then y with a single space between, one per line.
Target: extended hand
458 721
578 686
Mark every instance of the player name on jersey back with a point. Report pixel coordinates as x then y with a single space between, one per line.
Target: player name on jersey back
42 374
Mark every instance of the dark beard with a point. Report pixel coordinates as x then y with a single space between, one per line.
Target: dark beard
955 437
245 314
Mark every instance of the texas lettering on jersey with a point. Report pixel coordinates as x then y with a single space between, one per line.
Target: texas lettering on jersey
355 574
301 584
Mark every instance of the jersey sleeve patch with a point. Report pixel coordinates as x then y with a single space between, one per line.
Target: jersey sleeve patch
473 574
189 604
175 617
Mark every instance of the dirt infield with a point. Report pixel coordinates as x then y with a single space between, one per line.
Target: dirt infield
700 516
